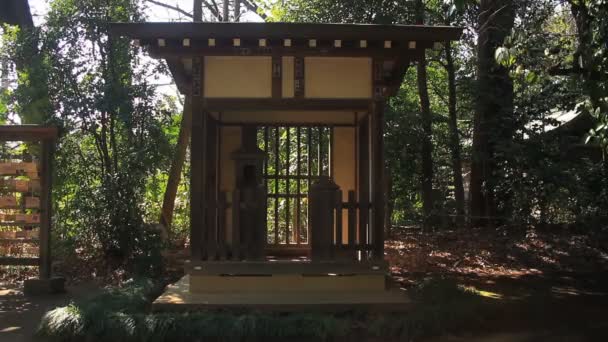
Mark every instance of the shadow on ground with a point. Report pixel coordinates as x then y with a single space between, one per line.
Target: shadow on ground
20 314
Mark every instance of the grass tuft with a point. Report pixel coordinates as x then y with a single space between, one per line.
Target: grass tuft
120 315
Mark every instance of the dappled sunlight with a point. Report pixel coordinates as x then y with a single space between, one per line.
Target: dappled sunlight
485 294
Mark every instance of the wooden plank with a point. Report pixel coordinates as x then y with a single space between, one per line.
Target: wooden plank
287 267
9 202
196 163
35 202
352 217
19 218
14 261
18 240
13 169
245 105
45 204
27 133
363 180
338 240
20 185
377 110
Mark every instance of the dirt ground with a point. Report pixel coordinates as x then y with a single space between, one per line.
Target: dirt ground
539 286
20 314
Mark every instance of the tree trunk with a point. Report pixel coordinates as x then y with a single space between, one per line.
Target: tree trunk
166 216
185 130
237 10
494 107
454 136
427 129
226 11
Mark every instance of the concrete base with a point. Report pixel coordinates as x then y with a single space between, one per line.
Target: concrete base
44 286
178 297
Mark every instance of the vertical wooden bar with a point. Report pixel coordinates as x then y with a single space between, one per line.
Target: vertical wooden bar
277 153
266 161
221 225
330 151
197 169
287 181
211 186
338 206
236 223
298 187
46 207
377 110
320 158
363 181
352 217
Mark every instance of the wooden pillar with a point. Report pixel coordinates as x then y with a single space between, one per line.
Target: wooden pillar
322 205
197 162
363 186
377 147
211 135
46 172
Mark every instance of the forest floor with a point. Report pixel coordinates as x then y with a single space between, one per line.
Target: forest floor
540 285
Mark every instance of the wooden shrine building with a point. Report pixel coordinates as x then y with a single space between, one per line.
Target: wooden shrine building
286 155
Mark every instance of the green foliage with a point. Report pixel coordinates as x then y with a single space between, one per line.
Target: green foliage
119 315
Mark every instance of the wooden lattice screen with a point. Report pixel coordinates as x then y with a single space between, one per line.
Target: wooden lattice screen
25 189
297 157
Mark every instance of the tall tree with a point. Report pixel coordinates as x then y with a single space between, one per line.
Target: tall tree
427 128
454 134
494 106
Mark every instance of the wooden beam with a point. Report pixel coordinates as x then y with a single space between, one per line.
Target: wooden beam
197 49
27 133
286 267
286 30
221 104
19 261
363 186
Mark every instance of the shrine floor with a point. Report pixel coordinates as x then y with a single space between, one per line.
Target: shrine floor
178 297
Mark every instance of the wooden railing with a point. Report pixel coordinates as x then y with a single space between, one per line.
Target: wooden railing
339 230
328 237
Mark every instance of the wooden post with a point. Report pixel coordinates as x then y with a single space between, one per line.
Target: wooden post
211 135
338 218
363 181
321 201
197 162
46 172
352 216
377 111
236 223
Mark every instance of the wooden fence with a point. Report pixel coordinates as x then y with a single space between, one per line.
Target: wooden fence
25 190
